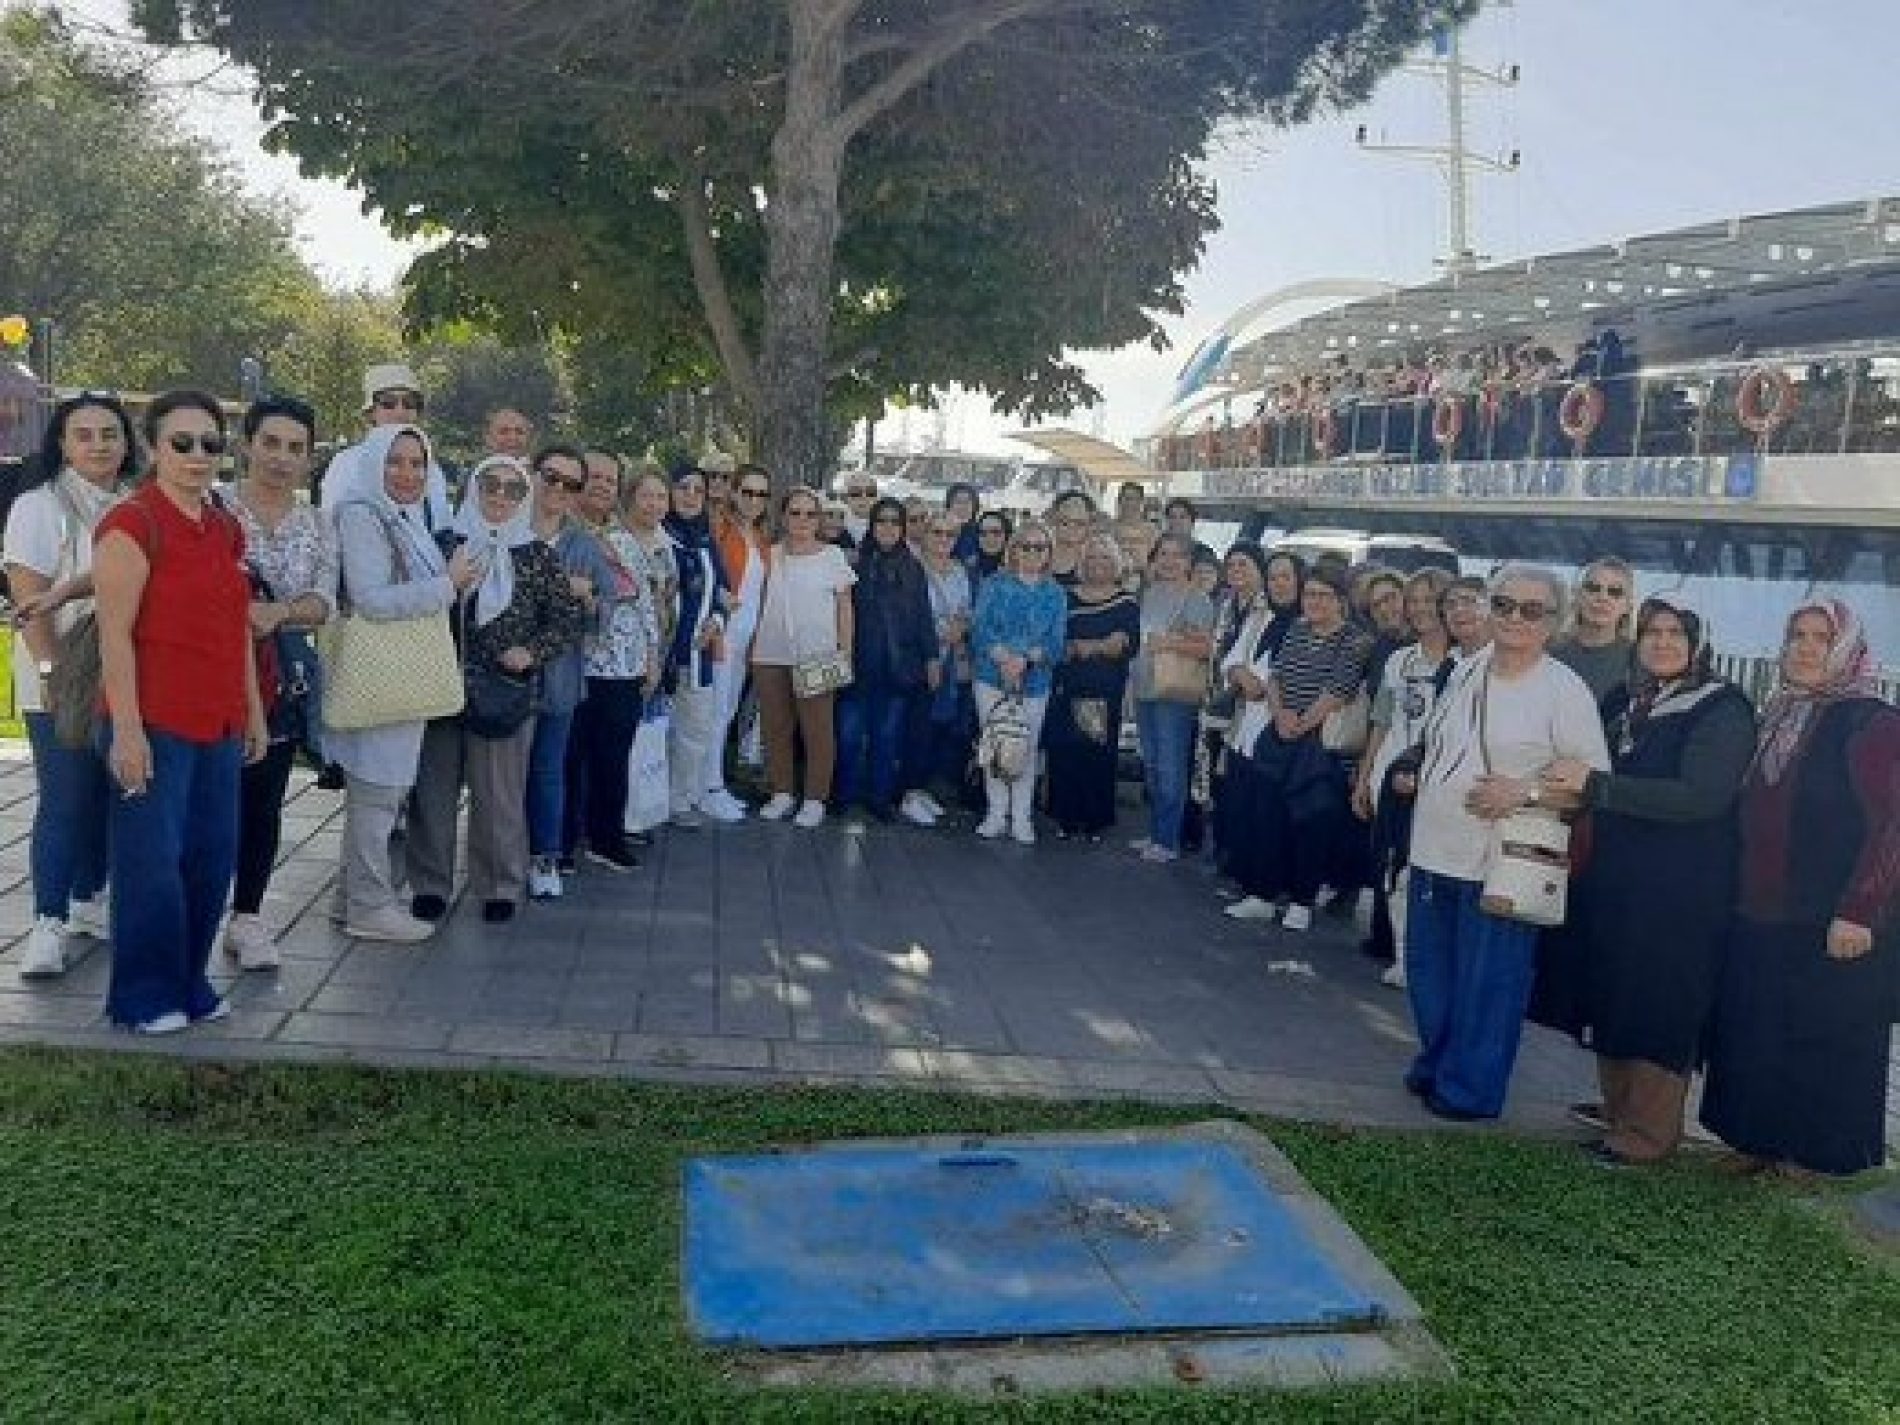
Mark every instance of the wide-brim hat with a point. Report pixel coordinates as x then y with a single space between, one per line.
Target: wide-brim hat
389 376
717 463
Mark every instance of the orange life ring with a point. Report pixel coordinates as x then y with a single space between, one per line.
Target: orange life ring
1765 401
1448 421
1208 447
1582 411
1325 429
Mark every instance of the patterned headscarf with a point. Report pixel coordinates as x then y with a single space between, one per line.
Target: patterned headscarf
489 543
1849 673
1652 697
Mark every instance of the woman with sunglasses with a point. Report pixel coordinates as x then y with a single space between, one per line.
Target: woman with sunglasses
1102 635
559 477
521 616
896 661
807 615
88 456
993 529
180 684
698 647
949 713
1019 636
1596 645
1508 713
744 547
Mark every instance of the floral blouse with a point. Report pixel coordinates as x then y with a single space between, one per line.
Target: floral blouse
629 631
298 557
545 616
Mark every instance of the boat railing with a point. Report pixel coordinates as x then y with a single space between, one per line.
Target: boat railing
1759 676
1836 404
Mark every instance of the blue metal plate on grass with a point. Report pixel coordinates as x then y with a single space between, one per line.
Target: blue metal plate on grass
850 1246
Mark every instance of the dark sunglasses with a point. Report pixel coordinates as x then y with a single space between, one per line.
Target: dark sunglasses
573 484
184 442
398 401
1530 610
751 492
801 513
1032 546
513 489
1615 591
990 531
860 494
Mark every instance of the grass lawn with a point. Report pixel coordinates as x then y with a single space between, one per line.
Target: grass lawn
197 1243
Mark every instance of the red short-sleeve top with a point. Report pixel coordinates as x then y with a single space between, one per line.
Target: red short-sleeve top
192 635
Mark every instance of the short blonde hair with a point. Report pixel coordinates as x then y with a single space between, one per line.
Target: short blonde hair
1030 526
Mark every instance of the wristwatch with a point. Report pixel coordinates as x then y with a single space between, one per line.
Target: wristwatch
45 666
1536 797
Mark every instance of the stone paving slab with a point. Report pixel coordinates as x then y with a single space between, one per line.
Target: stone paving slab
759 953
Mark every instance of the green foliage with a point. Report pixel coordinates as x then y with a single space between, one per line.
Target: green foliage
189 1241
468 375
338 336
132 234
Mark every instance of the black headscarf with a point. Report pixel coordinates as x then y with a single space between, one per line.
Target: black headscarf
1284 615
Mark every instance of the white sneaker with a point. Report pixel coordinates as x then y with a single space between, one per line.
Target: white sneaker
811 815
991 827
722 805
1024 833
1324 897
90 917
1140 844
929 803
544 880
1252 908
1394 976
779 807
1159 854
171 1022
249 941
915 809
45 955
391 923
1297 917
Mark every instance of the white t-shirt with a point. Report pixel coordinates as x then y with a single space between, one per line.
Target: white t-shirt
38 533
1530 721
801 605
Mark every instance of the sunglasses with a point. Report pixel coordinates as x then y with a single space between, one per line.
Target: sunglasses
513 489
1530 610
1615 591
889 519
991 532
860 494
398 401
1033 546
801 513
754 492
554 479
184 442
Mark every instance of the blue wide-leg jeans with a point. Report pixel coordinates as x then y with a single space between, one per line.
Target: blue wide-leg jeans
68 849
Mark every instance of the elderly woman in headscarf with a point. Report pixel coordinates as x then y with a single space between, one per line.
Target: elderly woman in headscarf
697 647
521 616
392 569
1652 905
1797 1062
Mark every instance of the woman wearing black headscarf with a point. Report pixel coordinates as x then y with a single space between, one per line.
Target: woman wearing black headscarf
1244 669
1653 901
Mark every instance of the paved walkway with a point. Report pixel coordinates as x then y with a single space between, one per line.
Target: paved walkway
763 953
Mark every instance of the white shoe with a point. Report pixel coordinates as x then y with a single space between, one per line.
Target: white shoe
172 1022
1159 854
929 803
722 805
391 923
1024 833
991 827
915 809
45 955
1394 976
1140 844
544 881
781 805
1297 917
1252 908
91 917
811 815
1324 897
248 941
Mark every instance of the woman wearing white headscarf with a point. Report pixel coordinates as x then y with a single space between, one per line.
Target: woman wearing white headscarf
521 615
392 569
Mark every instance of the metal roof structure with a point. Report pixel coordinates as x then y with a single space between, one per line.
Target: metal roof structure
1100 460
1539 292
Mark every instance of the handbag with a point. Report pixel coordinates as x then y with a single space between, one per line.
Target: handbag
1528 878
1179 677
649 783
496 702
1089 717
820 673
73 687
382 672
1347 729
1002 747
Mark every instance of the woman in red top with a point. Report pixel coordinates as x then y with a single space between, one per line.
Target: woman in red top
181 692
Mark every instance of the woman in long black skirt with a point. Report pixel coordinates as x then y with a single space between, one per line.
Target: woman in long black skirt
1083 735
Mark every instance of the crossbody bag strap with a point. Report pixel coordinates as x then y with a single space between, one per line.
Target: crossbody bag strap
1484 720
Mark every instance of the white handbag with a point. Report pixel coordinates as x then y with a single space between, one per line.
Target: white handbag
815 674
1347 729
1528 878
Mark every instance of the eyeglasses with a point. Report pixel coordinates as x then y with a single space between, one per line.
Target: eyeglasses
554 479
897 520
1530 610
860 494
1032 546
991 532
1615 591
512 489
398 401
801 513
184 441
754 492
943 534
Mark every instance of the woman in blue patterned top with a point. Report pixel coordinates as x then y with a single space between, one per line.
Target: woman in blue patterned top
1021 628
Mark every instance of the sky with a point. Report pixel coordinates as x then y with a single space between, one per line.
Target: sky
1630 116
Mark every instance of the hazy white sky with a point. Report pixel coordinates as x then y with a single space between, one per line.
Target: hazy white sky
1632 116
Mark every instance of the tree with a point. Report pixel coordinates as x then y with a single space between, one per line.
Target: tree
843 198
139 243
468 375
336 339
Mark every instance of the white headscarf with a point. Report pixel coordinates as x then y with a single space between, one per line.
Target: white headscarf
360 481
370 461
491 543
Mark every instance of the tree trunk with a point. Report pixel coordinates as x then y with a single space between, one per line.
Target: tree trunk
801 225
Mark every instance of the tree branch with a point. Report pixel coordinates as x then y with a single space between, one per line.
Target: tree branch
715 299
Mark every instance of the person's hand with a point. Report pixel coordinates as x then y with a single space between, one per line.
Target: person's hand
1287 723
465 572
267 618
933 676
581 587
1250 684
650 684
1012 666
1494 798
1404 784
40 605
1362 802
130 758
516 660
256 738
1566 774
1848 941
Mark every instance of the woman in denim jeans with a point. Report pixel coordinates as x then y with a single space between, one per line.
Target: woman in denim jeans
1176 618
89 454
